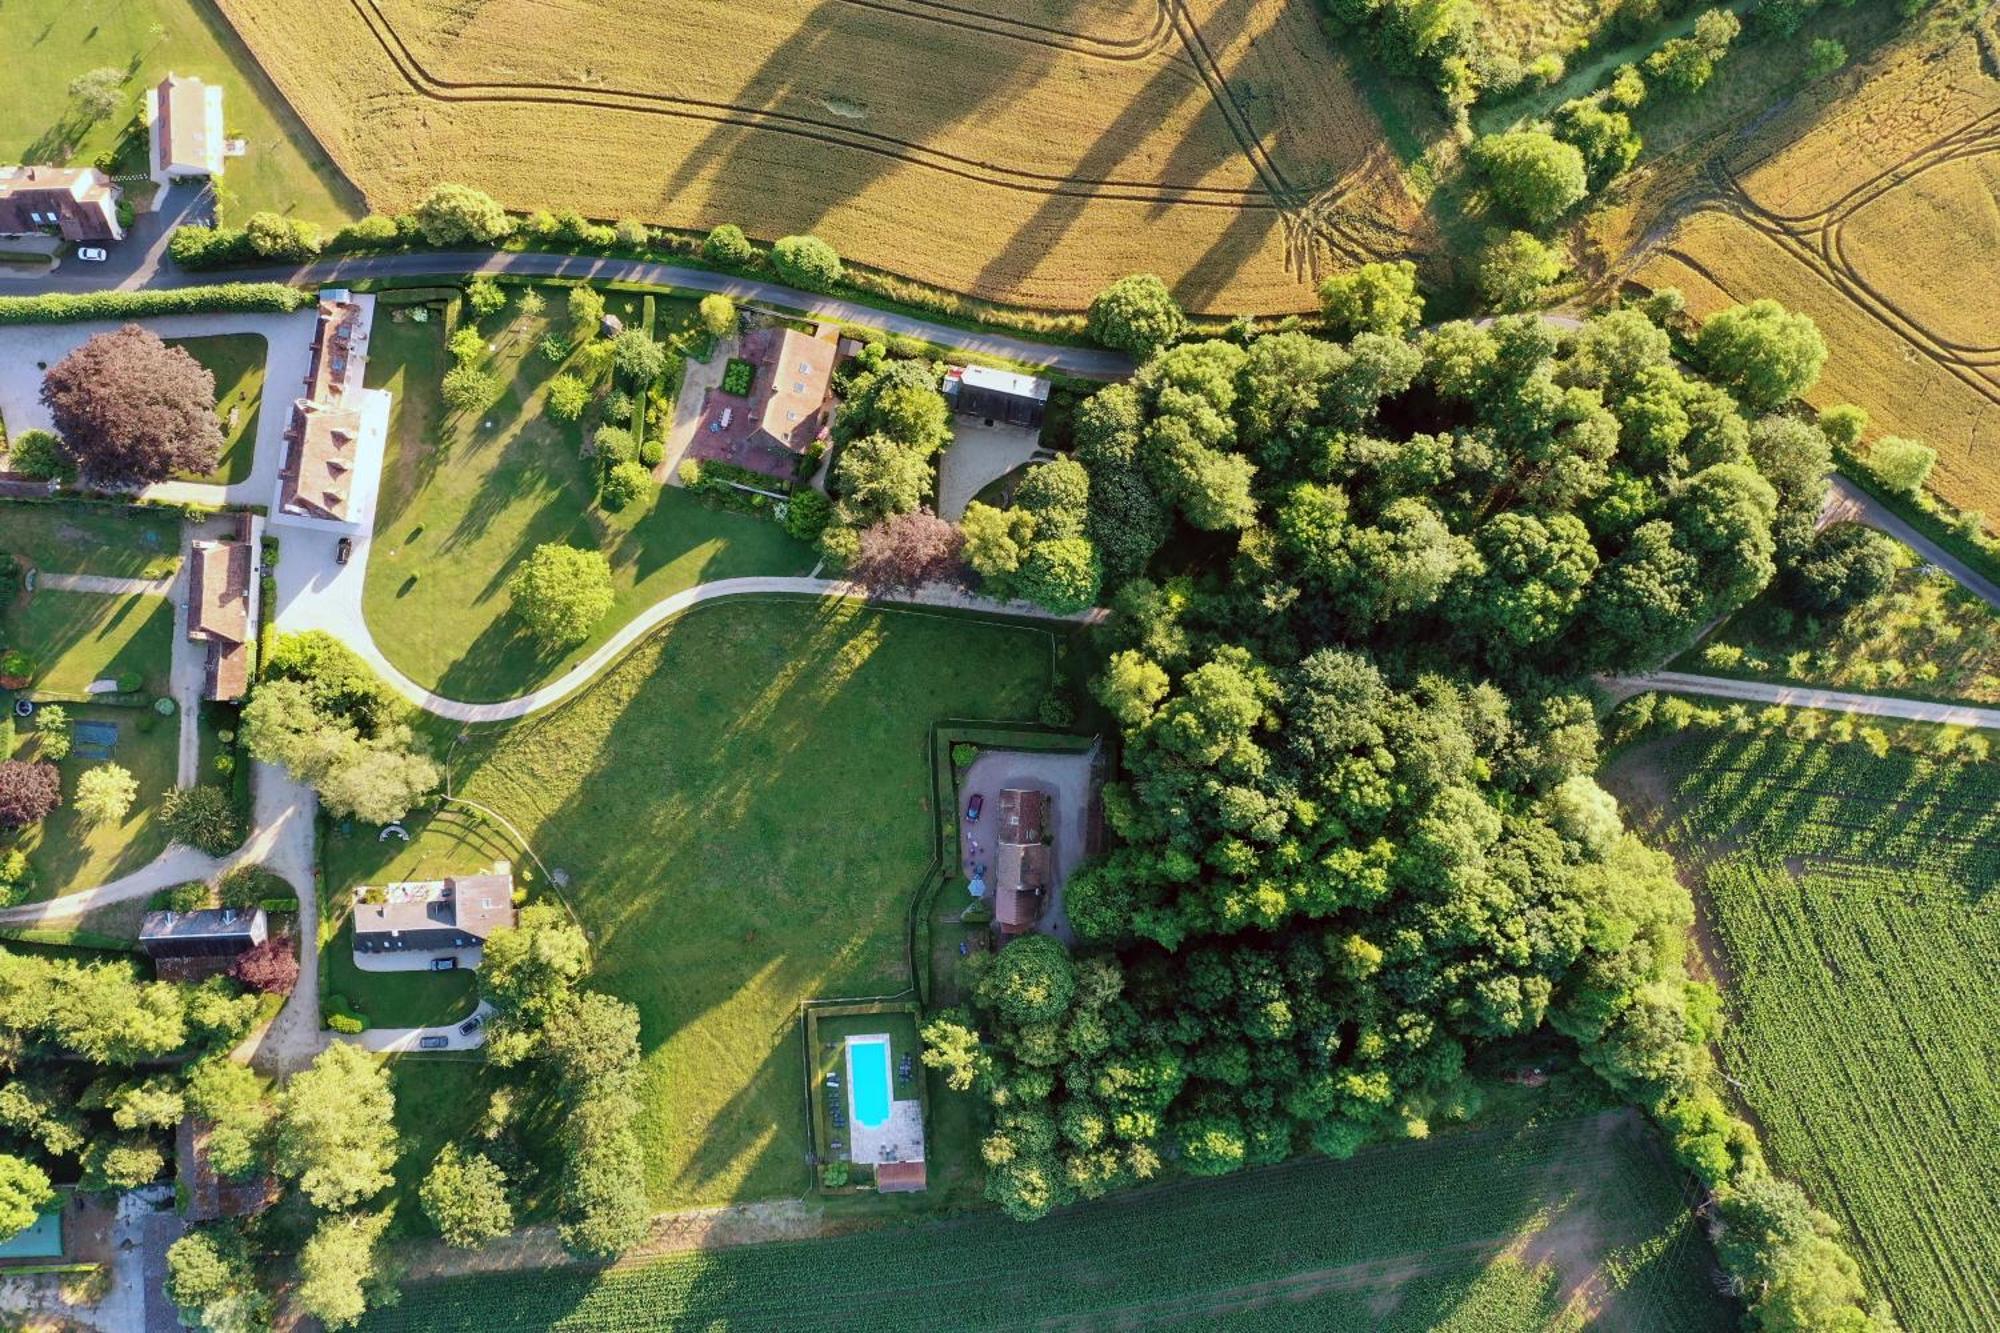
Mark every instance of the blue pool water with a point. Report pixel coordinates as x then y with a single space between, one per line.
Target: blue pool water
868 1067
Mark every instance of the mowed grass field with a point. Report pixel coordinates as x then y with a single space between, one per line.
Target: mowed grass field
50 42
1573 1224
1858 942
1868 204
742 808
237 361
1028 151
466 498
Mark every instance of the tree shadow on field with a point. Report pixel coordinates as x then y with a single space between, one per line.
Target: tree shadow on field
1192 159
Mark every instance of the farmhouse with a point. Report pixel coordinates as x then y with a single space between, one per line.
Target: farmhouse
221 580
998 396
431 923
1021 861
212 933
185 120
787 409
334 441
81 203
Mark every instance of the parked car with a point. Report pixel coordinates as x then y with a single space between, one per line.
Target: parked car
433 1043
974 806
344 550
445 964
470 1025
94 254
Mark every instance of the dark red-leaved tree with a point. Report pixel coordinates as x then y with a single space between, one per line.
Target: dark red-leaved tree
907 551
271 967
130 410
28 792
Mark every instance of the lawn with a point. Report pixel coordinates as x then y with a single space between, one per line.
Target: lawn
1856 934
50 42
1925 636
1053 149
462 504
742 806
1563 1225
237 362
76 638
440 846
82 538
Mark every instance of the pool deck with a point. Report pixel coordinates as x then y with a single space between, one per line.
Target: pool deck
901 1138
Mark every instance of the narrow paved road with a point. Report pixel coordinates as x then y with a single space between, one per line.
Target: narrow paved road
1805 696
1846 501
1088 362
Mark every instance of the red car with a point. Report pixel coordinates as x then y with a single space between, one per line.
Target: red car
973 807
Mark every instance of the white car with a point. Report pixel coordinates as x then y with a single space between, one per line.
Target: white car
92 253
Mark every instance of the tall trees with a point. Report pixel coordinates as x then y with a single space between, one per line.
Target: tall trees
28 793
1374 298
1763 353
336 1134
104 794
24 1192
561 592
465 1197
1136 314
338 1264
455 214
130 410
806 261
907 551
1532 174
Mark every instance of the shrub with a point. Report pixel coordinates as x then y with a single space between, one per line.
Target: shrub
470 389
29 793
35 453
963 753
718 315
806 515
806 261
273 236
631 233
203 818
833 1175
1902 465
1827 55
613 445
727 244
17 877
1533 175
567 397
690 473
454 214
651 452
1374 298
738 376
346 1023
104 794
485 297
1136 315
192 896
271 968
375 229
553 347
234 297
1056 710
625 483
248 886
1513 270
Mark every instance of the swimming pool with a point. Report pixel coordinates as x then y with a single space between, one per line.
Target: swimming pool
868 1080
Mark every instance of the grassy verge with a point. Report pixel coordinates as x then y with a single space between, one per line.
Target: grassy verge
743 808
465 500
89 537
237 362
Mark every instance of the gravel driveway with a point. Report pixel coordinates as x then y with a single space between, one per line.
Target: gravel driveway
1066 779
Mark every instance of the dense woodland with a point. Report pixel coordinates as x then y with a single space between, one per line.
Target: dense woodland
1358 839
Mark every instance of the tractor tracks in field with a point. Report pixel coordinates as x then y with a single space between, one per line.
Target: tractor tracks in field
1312 231
1817 240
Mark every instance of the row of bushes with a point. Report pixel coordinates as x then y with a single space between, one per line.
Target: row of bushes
456 216
231 297
1666 714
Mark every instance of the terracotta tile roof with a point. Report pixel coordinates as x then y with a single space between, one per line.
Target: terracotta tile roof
1021 814
1020 876
80 202
219 592
899 1177
319 459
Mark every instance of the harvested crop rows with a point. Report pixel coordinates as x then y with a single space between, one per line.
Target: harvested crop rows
1503 1231
1852 901
1028 152
1872 209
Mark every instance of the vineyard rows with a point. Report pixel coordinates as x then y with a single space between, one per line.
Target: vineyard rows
1402 1237
1852 900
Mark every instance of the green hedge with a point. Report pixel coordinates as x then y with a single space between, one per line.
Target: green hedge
65 307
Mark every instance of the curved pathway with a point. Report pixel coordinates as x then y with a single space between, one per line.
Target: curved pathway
454 265
1805 696
1847 502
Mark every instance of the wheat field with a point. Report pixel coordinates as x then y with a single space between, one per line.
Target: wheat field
1026 151
1871 206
